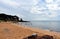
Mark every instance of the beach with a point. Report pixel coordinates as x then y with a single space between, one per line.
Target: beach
9 30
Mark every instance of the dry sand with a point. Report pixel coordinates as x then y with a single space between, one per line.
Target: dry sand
10 30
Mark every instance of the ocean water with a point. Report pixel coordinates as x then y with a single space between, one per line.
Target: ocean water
46 25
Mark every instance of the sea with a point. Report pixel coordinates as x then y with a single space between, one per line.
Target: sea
45 25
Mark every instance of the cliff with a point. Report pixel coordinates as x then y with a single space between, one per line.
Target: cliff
5 17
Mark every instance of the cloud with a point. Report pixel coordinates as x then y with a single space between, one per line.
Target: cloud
52 15
38 10
35 2
52 6
40 18
10 2
14 12
38 7
49 1
34 9
49 9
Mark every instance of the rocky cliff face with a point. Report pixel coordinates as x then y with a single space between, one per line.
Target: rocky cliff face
5 17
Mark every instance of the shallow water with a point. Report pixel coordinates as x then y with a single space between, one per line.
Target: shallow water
46 25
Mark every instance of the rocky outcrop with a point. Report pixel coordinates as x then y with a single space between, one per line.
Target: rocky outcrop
39 37
21 20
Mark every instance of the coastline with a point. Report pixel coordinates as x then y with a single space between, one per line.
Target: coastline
10 30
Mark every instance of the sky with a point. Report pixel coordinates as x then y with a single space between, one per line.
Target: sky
32 9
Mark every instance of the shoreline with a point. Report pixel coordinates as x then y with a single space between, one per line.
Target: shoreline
48 28
23 31
36 30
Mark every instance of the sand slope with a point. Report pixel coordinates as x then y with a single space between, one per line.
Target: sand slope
14 31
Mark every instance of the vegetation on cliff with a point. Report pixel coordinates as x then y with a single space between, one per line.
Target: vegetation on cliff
5 17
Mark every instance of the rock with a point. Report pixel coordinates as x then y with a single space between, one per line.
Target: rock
46 37
33 36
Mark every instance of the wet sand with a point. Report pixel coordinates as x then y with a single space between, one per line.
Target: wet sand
10 30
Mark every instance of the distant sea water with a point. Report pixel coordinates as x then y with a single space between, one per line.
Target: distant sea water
45 25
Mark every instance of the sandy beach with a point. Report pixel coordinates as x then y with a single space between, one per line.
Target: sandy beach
10 30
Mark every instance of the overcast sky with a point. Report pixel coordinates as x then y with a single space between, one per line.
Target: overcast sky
32 9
